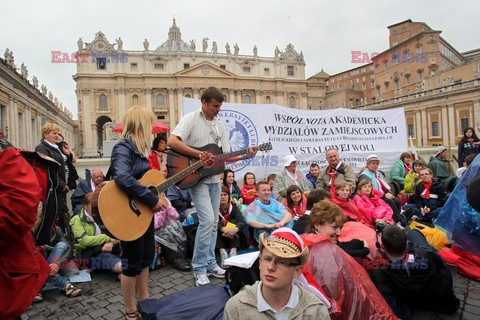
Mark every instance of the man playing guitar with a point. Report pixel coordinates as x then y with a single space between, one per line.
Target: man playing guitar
197 129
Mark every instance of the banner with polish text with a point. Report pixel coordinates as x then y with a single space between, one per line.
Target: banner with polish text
306 134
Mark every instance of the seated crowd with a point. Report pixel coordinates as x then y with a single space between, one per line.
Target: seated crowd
357 222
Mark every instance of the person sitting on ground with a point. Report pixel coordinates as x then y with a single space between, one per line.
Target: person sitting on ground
314 196
413 177
414 276
370 204
276 296
271 180
312 175
336 171
379 183
180 200
429 197
295 202
265 213
248 190
340 277
158 157
401 168
469 144
229 181
172 238
468 160
288 177
440 168
90 243
230 225
341 197
92 180
327 219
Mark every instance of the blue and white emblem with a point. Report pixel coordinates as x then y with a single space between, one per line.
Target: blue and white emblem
241 134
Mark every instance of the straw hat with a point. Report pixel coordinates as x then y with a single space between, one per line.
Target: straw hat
285 243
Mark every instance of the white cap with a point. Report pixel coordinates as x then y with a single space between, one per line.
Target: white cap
372 157
287 160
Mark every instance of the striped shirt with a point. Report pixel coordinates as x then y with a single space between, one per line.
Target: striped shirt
196 131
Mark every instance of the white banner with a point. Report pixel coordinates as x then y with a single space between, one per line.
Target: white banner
308 133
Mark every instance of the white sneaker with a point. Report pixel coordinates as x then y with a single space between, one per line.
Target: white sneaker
201 279
223 257
216 272
232 254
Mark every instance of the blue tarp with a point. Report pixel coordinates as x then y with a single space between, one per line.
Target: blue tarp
202 303
457 218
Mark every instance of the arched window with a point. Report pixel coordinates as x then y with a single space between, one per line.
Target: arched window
188 96
160 101
102 102
246 99
291 102
268 100
134 100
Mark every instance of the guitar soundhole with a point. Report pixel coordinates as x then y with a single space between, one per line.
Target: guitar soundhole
133 205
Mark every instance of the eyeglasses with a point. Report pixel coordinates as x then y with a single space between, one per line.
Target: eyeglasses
424 174
279 263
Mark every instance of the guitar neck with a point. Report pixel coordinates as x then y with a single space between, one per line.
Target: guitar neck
231 154
177 177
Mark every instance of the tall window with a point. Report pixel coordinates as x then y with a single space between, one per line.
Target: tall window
291 102
134 100
464 123
411 130
102 102
435 132
290 70
246 99
160 101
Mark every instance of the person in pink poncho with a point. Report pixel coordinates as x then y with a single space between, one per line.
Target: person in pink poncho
369 202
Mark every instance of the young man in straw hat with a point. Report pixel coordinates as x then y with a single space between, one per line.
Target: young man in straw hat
276 296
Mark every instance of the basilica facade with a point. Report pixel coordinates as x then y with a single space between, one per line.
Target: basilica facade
111 79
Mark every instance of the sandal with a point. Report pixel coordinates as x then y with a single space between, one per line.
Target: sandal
38 297
71 291
133 315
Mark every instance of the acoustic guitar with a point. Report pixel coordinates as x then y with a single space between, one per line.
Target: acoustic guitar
176 163
125 217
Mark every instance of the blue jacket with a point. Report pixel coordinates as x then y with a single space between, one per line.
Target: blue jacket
82 189
128 165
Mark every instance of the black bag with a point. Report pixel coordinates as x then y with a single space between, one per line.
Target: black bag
236 278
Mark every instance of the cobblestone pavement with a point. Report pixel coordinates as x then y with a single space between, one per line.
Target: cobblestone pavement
101 298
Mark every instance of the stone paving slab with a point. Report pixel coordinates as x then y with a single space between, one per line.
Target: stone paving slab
102 300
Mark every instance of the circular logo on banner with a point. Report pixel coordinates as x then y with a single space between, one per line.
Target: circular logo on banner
241 134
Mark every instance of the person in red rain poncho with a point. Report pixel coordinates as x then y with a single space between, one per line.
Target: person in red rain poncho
23 270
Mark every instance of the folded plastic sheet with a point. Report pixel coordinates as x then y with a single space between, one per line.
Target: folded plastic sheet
345 283
434 236
458 219
202 303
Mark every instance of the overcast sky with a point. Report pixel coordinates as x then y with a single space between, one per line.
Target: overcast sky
326 31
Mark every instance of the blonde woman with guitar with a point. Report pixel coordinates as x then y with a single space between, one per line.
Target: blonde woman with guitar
194 131
129 163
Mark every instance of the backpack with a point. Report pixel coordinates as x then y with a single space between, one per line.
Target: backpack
236 277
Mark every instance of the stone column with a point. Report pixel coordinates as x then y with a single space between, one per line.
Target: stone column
279 97
179 105
302 104
87 106
476 114
445 124
231 95
451 124
148 98
238 96
8 122
424 128
171 108
258 96
418 128
13 127
121 104
28 129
